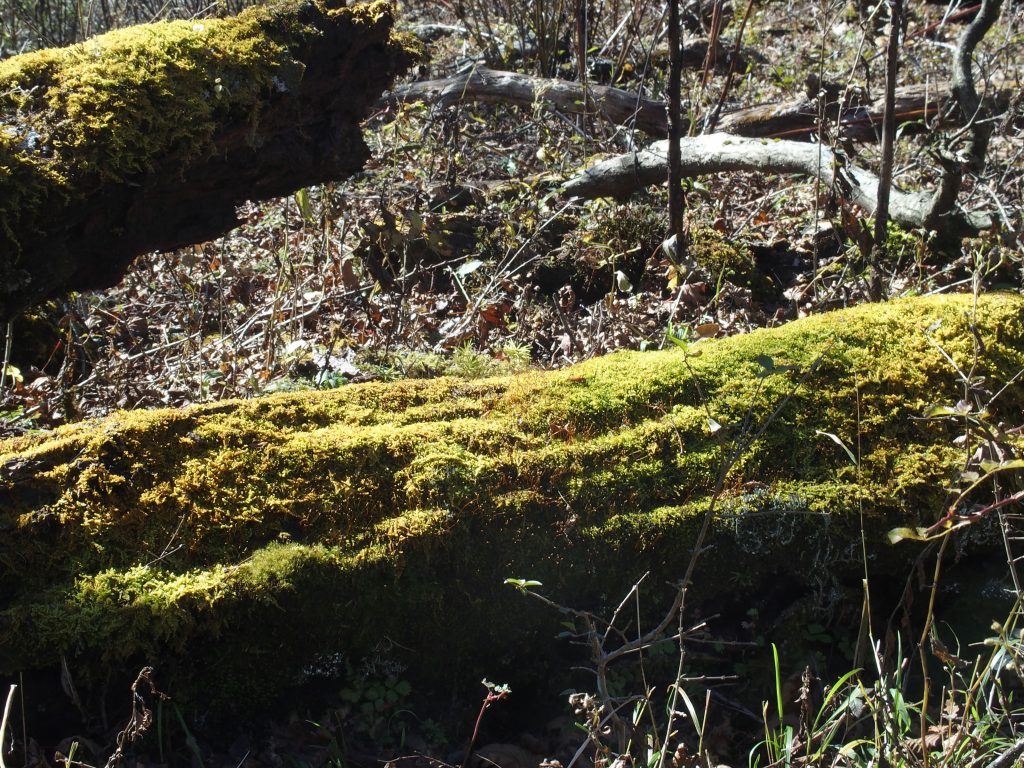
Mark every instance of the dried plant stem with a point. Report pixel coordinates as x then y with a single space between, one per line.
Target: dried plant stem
676 198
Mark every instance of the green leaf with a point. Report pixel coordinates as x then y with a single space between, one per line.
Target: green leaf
1001 466
523 584
897 535
835 439
13 372
770 367
302 201
936 410
674 337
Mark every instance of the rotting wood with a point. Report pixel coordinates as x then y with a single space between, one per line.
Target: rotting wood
494 86
796 118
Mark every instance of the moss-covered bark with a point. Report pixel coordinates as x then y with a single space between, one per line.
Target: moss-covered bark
148 138
270 534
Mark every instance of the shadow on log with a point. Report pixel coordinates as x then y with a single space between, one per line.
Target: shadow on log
241 546
148 138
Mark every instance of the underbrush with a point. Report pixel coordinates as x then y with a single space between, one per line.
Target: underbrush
450 255
454 237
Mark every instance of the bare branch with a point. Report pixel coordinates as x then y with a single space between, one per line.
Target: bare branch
972 112
718 153
795 118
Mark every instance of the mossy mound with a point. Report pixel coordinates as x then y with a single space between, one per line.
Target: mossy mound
238 545
146 138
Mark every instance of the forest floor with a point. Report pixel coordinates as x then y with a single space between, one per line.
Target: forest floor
452 253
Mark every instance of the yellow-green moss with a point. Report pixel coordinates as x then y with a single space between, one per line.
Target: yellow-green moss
108 108
718 257
404 505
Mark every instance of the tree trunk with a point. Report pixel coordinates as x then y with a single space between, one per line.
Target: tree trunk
148 138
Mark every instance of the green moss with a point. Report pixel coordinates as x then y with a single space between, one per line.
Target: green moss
110 108
722 260
403 507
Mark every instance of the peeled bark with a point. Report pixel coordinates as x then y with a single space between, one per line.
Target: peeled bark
148 138
238 546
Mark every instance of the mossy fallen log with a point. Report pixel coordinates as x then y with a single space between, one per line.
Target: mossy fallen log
240 545
148 138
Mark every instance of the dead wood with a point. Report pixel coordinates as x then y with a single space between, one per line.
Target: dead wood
719 152
148 138
493 86
797 118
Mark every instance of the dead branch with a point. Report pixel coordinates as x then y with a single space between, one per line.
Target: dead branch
796 118
972 112
492 86
721 153
971 107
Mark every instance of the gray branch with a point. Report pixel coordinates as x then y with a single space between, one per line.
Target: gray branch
718 152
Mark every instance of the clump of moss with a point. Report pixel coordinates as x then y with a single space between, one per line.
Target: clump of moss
610 237
319 522
718 257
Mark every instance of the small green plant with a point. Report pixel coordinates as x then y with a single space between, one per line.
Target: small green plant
495 692
377 706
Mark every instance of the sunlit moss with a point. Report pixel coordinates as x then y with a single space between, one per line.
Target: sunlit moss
323 521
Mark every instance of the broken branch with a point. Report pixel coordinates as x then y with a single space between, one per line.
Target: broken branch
718 152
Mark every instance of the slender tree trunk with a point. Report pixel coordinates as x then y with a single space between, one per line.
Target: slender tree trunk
676 197
888 143
973 113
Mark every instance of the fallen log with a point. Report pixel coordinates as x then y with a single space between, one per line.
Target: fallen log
243 547
148 138
796 118
493 86
720 152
